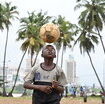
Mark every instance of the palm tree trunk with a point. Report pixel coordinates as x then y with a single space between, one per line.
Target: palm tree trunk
101 40
95 72
62 57
31 59
4 90
24 93
35 58
10 93
32 64
57 57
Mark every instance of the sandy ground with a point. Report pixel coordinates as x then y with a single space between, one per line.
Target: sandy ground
63 101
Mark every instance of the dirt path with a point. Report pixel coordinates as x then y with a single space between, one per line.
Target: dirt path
63 101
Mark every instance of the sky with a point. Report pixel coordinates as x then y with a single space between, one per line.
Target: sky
65 8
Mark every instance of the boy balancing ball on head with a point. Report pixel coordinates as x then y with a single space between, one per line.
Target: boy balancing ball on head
46 79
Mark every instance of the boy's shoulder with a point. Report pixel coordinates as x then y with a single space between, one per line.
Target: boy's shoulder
58 68
34 68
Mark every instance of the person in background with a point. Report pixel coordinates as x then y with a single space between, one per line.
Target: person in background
74 91
81 91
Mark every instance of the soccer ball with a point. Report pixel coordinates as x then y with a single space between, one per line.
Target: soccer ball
49 32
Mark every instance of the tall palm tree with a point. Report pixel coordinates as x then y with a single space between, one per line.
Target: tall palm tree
93 17
31 27
29 34
58 47
1 16
86 44
66 36
8 13
24 50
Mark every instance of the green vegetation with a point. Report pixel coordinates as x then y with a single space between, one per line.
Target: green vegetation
25 97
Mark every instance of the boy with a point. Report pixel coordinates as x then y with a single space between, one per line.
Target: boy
46 79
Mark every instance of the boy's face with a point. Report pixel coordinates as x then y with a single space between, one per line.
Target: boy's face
49 52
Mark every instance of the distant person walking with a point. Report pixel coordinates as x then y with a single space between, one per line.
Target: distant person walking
81 91
74 91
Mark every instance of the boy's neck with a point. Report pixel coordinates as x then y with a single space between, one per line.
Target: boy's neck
48 62
48 65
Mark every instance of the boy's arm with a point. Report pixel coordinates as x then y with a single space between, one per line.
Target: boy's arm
61 80
46 89
29 85
58 87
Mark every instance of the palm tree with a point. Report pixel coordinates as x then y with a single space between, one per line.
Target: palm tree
1 16
24 50
66 36
86 44
93 17
1 28
8 13
29 33
30 29
58 47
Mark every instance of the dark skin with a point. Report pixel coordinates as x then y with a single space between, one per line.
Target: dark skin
48 53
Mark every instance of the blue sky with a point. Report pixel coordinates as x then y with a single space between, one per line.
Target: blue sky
54 8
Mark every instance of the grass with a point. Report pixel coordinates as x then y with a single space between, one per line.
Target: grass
29 98
25 97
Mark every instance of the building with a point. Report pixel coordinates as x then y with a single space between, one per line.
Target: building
10 75
1 72
70 71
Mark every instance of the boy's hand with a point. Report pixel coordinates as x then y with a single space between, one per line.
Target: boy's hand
54 84
46 89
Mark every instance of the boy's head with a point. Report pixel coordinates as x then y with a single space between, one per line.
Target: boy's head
48 51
